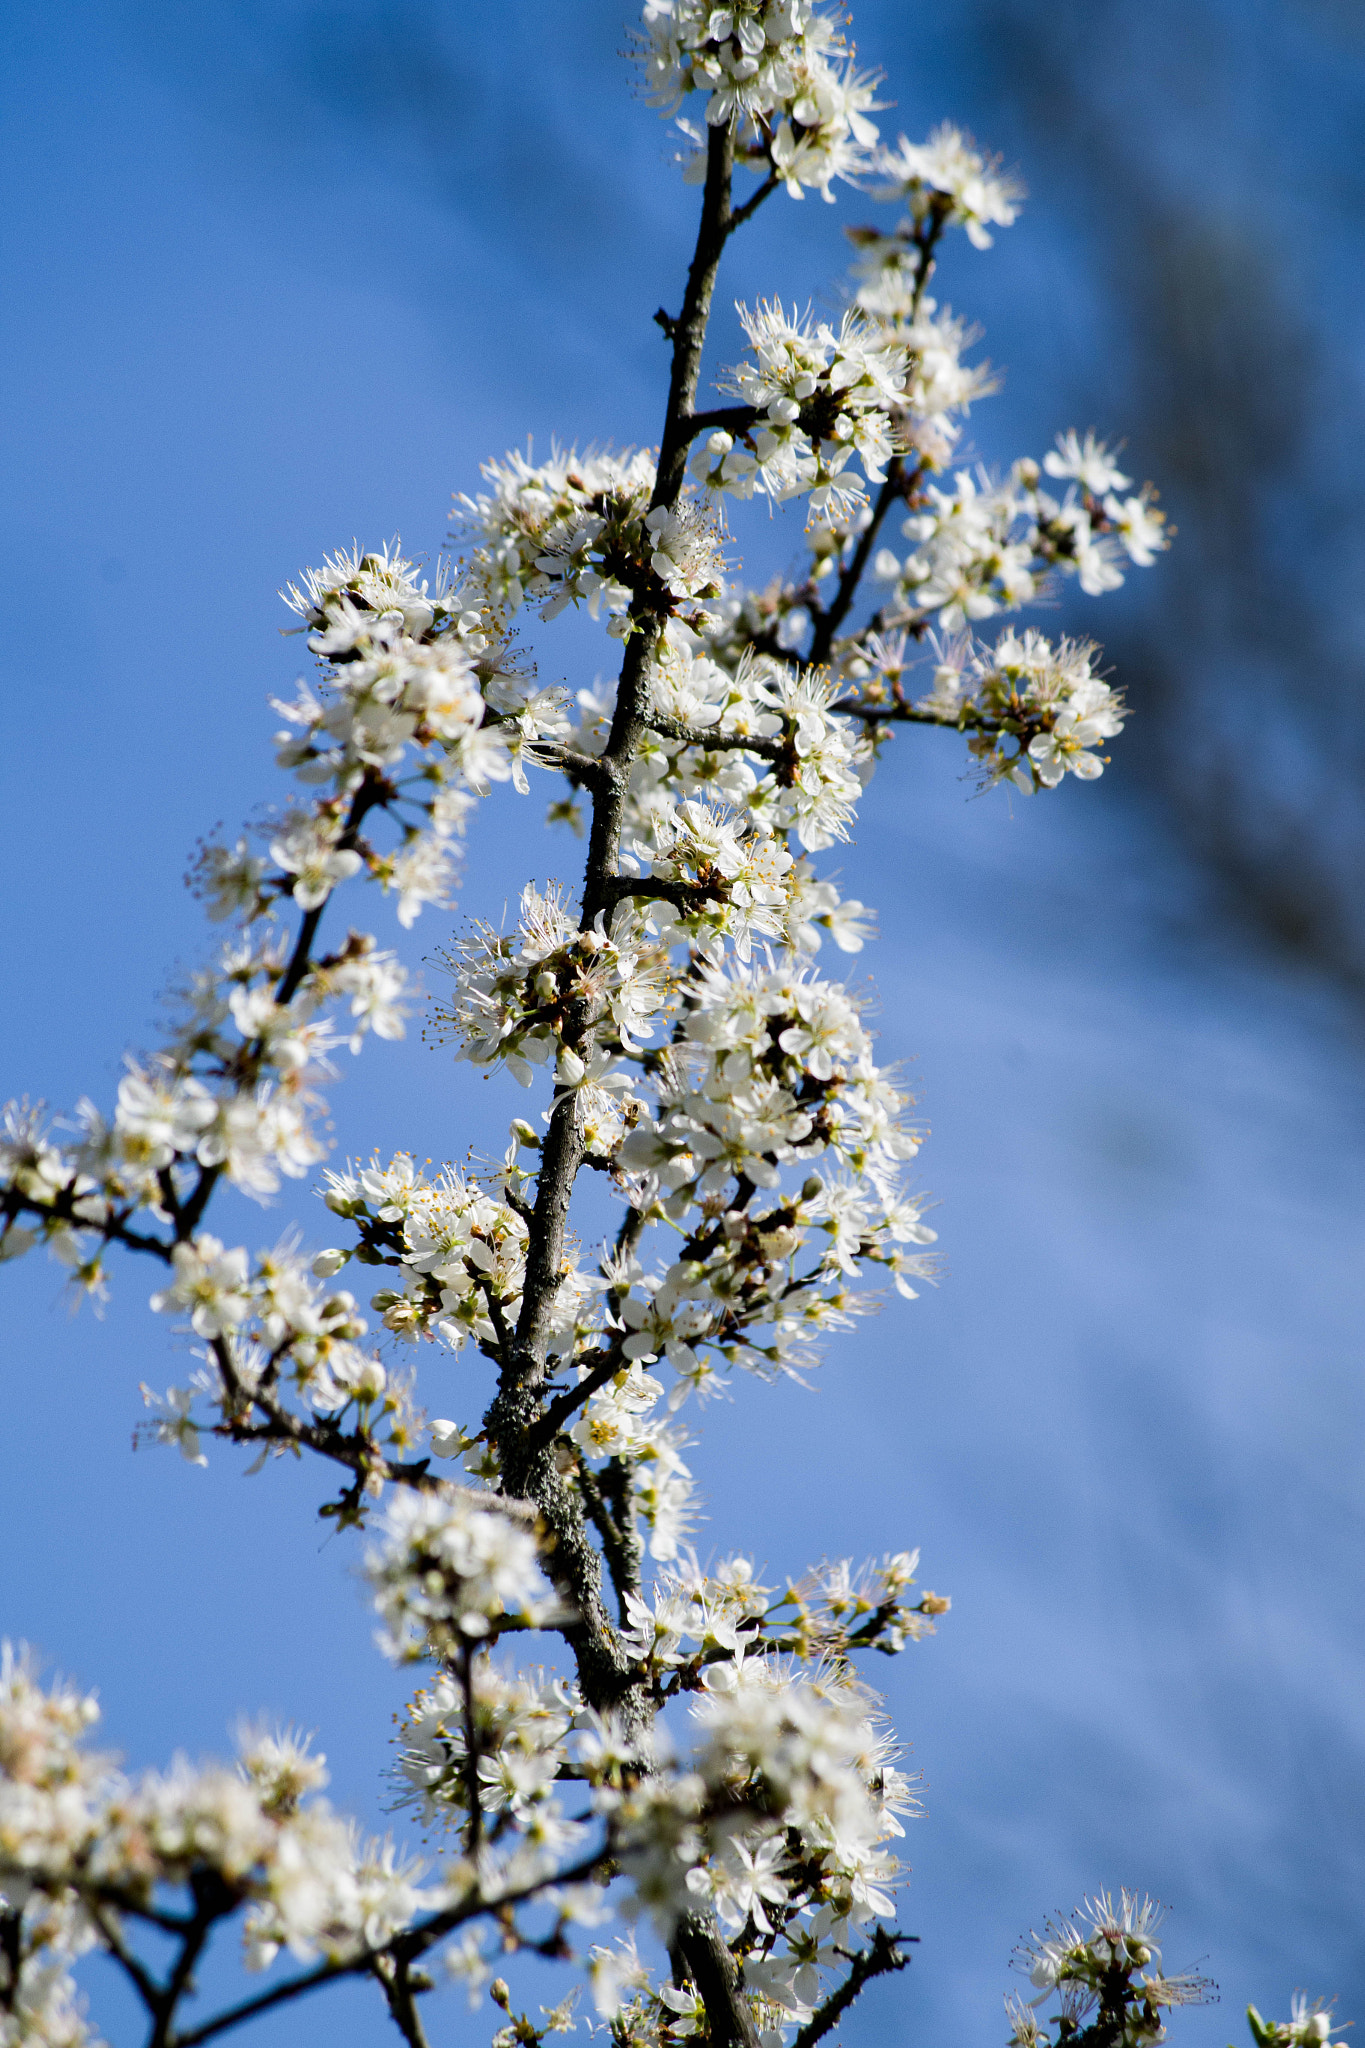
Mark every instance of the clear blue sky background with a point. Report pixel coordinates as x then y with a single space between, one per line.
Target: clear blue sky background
280 274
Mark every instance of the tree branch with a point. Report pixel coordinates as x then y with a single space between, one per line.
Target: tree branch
735 419
528 1466
652 889
625 1559
827 623
404 1949
567 1404
526 1456
767 746
584 768
213 1900
148 1991
282 1994
606 1496
399 1990
713 1970
471 1750
716 225
752 203
369 794
883 1955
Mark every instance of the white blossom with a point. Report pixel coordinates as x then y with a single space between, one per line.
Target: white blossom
950 167
450 1568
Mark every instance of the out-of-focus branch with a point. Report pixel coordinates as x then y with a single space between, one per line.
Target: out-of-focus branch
715 1973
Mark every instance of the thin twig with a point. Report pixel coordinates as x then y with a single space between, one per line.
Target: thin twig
566 1404
896 485
768 746
148 1991
471 1750
404 1948
883 1955
399 1989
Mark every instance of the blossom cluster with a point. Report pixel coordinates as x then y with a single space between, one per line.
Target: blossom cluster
773 1067
404 668
777 1814
769 1070
1310 2024
950 178
519 1721
282 1349
233 1092
778 1820
451 1567
810 1755
579 529
940 388
522 999
981 546
1034 709
1105 1957
778 72
460 1245
734 755
81 1844
626 1426
693 1618
821 396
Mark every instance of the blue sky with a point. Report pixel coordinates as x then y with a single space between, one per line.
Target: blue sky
283 275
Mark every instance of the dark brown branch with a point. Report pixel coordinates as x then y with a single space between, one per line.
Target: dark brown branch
357 1452
495 1314
965 720
713 231
827 623
399 1989
767 746
213 1900
370 793
752 203
526 1455
713 1970
735 419
404 1949
584 768
113 1231
566 1404
652 889
528 1467
625 1560
884 1954
616 1546
471 1750
897 484
265 2001
142 1981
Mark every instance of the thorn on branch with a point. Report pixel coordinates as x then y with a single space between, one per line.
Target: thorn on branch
667 322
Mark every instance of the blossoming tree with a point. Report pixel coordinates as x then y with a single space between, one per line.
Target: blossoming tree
700 1760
